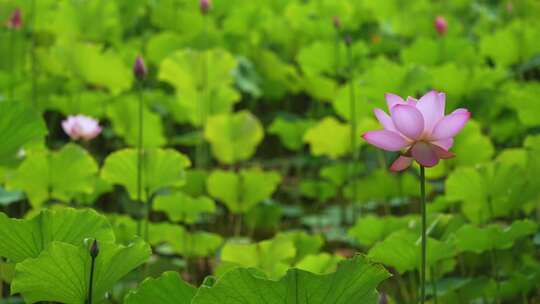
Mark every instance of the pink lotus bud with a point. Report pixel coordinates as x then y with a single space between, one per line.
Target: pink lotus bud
441 25
81 127
205 6
418 128
139 68
337 22
15 19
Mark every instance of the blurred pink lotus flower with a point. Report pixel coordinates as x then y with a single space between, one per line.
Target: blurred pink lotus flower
205 5
441 25
336 21
419 128
81 127
15 19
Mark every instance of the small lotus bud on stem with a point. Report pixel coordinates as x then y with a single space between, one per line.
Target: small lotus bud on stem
139 68
15 19
205 6
94 249
441 25
337 22
348 40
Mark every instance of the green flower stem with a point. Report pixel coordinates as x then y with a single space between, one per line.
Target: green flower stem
91 280
353 119
434 285
494 259
201 150
12 64
140 152
424 238
33 54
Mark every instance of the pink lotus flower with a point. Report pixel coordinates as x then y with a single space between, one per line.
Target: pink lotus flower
419 128
81 127
15 19
441 25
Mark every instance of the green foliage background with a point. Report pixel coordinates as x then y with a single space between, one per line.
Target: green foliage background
253 155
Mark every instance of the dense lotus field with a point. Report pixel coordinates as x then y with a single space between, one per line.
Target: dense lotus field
270 151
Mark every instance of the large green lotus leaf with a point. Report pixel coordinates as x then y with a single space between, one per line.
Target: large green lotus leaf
523 99
488 191
233 137
22 239
19 125
382 185
340 172
161 168
278 77
90 103
124 116
321 88
329 137
74 19
471 146
241 191
179 241
451 79
61 273
195 182
272 256
290 131
305 244
169 288
181 207
354 282
503 56
90 63
58 175
309 57
476 239
162 44
401 250
321 263
318 190
203 81
371 229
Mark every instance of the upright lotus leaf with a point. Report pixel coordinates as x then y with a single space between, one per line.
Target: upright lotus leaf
371 229
354 282
203 81
401 250
61 273
169 288
19 126
290 131
321 263
181 207
27 238
522 98
304 243
273 256
329 137
61 175
90 63
241 191
475 239
279 77
471 146
124 116
180 241
488 191
233 137
318 190
161 168
490 46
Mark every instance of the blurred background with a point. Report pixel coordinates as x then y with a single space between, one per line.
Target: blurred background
268 100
